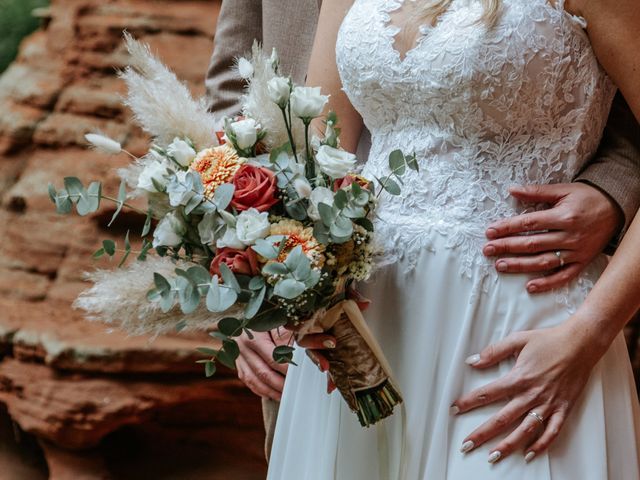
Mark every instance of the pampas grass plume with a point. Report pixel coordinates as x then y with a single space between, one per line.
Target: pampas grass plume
103 143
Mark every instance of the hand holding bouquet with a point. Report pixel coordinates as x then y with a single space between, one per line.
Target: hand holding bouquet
253 225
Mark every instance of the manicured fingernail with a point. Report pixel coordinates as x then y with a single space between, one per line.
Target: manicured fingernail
494 457
492 233
467 446
489 250
454 410
472 359
529 456
532 288
501 266
329 344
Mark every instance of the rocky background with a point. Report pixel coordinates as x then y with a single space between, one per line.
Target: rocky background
78 401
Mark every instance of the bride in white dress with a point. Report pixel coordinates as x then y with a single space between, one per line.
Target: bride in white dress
488 98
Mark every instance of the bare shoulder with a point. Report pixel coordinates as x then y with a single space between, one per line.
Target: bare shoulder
614 30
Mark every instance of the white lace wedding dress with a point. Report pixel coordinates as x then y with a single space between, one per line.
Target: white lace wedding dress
523 102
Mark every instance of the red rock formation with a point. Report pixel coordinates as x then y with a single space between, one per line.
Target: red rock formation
69 382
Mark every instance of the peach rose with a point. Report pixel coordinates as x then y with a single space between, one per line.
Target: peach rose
255 188
240 262
348 180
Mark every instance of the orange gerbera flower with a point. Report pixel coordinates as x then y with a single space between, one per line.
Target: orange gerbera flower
216 166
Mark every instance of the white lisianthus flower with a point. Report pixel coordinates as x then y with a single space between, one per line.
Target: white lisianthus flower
245 69
153 171
319 195
246 132
169 231
252 225
182 152
308 102
334 162
302 187
103 143
279 90
230 239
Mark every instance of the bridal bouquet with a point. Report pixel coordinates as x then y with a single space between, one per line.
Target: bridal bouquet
252 224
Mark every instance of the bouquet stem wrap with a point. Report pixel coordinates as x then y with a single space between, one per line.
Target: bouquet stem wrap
357 365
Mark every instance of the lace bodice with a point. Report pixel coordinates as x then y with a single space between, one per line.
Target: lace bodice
483 108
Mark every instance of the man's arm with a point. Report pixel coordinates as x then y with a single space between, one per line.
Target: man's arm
584 216
616 167
239 24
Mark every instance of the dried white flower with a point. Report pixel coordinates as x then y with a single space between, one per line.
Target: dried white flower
245 69
302 187
103 143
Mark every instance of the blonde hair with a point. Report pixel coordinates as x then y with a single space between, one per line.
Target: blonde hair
432 9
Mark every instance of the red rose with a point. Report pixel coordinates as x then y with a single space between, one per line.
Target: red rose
241 262
255 188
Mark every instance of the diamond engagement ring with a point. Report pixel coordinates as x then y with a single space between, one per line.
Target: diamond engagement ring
537 416
558 254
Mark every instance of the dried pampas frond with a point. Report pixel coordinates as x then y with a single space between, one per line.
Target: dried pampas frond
257 104
162 104
119 298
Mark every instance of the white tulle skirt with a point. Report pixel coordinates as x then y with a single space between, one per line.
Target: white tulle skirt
428 320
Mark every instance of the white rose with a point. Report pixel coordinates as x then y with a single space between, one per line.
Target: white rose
182 152
279 90
152 171
319 195
245 69
246 132
302 187
334 162
169 231
230 239
252 225
308 102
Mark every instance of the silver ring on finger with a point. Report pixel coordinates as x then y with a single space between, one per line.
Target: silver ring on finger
558 254
539 418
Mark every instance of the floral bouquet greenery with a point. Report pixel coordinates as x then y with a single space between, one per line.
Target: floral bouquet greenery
252 224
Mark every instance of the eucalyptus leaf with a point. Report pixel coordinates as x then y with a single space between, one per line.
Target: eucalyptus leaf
223 195
52 192
283 354
342 227
294 258
63 202
275 268
389 185
297 211
230 326
264 322
220 298
340 199
209 369
289 288
109 247
396 162
229 278
122 196
99 253
412 162
327 213
229 219
256 283
255 302
147 225
161 283
266 249
74 187
146 246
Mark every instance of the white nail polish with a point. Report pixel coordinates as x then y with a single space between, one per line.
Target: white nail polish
495 456
467 446
329 344
473 359
529 456
454 410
